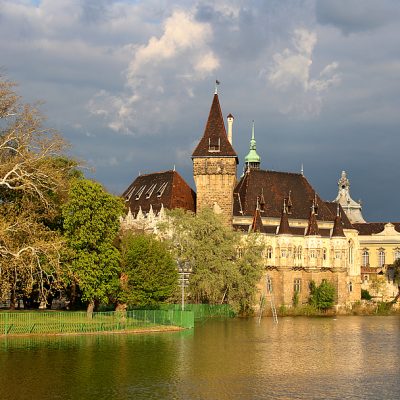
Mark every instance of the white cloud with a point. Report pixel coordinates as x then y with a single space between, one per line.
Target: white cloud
167 63
291 72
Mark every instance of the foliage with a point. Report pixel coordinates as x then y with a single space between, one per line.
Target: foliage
365 295
33 183
149 275
225 266
295 299
91 223
322 297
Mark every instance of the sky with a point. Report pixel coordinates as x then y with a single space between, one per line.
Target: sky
129 85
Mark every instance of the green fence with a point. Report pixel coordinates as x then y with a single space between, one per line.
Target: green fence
14 323
203 311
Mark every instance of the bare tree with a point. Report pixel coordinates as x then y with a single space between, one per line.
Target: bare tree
33 181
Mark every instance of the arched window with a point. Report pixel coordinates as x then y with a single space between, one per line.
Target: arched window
351 258
350 286
365 258
299 253
381 257
269 252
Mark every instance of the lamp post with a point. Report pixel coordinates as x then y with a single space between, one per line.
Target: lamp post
184 271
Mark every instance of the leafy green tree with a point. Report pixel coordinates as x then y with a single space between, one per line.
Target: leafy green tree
149 274
225 266
91 224
322 296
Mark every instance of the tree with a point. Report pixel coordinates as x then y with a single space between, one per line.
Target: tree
225 266
34 178
322 296
396 278
149 274
91 224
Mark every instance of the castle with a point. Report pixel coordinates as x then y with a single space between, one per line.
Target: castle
306 238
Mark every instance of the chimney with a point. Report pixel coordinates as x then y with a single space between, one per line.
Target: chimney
230 124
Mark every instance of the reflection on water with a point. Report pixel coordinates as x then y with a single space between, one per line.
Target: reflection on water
300 358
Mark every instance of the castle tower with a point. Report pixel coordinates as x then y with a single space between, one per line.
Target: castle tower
252 160
214 165
350 207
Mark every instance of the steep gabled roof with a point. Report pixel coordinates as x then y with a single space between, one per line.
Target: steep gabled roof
214 142
275 186
165 188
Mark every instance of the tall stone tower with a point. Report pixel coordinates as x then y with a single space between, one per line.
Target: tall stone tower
214 166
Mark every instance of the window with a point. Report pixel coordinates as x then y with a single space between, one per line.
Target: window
324 254
130 193
365 258
350 252
150 190
140 192
312 254
240 252
283 253
299 252
381 257
337 254
269 252
396 254
350 287
269 284
161 189
297 285
365 278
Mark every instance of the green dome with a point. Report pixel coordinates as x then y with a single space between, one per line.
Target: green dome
252 157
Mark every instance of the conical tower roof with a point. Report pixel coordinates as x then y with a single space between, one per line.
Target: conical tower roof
312 229
284 228
337 230
214 142
257 225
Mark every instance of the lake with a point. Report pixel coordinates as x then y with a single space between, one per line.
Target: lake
299 358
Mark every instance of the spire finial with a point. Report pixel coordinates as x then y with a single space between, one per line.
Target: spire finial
338 210
174 168
302 170
217 82
252 131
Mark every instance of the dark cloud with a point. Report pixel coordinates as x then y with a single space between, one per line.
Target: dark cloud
357 15
332 103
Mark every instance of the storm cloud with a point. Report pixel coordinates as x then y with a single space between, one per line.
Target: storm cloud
129 84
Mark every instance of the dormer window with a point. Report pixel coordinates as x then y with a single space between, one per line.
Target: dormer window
130 193
160 191
150 190
140 192
214 147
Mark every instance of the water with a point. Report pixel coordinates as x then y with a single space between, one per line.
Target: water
300 358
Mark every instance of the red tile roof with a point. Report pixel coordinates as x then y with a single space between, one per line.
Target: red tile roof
214 142
275 186
165 188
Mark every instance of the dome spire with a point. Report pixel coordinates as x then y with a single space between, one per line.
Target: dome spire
252 160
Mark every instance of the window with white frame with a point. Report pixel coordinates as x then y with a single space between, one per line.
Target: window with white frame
297 285
269 252
299 252
365 258
381 257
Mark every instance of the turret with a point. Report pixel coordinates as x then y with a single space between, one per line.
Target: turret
214 166
252 160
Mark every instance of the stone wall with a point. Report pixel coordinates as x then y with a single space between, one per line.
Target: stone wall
215 179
